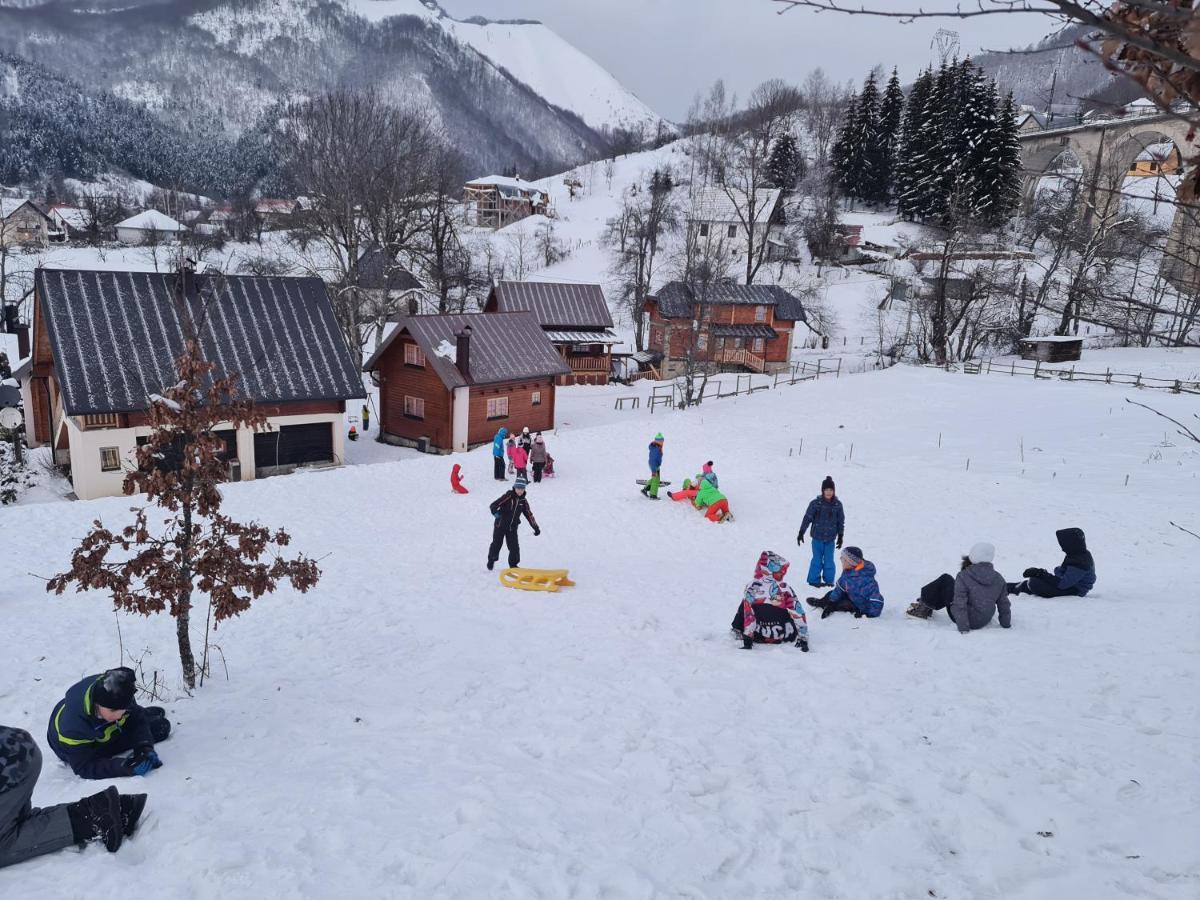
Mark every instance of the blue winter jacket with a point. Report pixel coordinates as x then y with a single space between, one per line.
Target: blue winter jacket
862 589
1080 581
827 518
87 743
656 456
498 443
1078 570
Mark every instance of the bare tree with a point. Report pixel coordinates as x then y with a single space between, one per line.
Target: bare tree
703 265
823 106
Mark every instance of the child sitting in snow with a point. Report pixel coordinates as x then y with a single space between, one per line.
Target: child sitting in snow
856 590
770 612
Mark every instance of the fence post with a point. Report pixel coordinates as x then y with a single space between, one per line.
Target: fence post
1107 375
839 368
1014 368
1071 377
1138 383
818 368
1178 387
1037 367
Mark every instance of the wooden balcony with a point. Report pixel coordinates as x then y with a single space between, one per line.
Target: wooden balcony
751 361
588 363
105 420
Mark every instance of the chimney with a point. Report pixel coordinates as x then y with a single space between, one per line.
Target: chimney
462 353
22 342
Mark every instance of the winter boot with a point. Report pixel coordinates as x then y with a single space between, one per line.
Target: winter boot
160 728
646 491
131 810
802 643
1012 587
920 611
816 602
97 818
747 642
491 564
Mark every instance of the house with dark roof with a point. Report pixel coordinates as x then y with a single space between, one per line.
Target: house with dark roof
103 342
388 284
22 223
449 382
575 318
738 327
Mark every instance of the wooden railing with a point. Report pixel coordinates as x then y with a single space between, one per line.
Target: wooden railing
751 361
104 420
588 363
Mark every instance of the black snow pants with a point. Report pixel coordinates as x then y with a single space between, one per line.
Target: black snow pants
500 534
498 468
25 831
939 594
1045 584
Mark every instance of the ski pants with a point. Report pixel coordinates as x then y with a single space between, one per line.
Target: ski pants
652 487
500 535
26 832
537 472
498 466
1044 584
939 594
822 567
717 511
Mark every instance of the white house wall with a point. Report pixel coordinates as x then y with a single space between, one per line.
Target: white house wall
90 482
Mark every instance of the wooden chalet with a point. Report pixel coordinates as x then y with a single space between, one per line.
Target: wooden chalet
103 342
746 327
449 382
497 200
575 318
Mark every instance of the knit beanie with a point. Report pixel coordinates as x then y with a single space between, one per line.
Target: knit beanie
827 484
983 552
520 483
853 554
659 437
114 689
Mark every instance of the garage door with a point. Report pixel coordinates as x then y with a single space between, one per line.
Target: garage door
294 445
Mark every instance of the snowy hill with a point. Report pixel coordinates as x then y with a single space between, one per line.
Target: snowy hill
411 729
507 94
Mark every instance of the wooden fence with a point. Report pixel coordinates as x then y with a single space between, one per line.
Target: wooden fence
718 388
1038 370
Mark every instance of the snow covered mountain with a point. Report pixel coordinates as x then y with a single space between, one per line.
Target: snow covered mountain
508 94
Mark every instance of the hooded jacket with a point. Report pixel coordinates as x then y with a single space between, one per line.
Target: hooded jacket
507 510
707 494
979 591
708 474
1078 570
85 742
538 452
768 587
520 456
656 455
827 518
498 443
859 586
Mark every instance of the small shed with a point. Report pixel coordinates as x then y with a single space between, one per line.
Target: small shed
1053 348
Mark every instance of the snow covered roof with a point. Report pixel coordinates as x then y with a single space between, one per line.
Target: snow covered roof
9 205
73 217
1160 152
504 347
272 207
115 336
675 299
509 187
719 205
583 337
151 220
563 306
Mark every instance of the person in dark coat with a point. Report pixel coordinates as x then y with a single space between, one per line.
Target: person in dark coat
538 456
26 831
828 521
507 511
98 722
1074 578
972 598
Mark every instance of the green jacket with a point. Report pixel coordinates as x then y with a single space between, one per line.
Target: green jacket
707 495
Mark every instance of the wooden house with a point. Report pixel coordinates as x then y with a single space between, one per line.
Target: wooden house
23 224
1156 159
103 342
1052 348
449 382
497 201
746 327
275 213
69 223
575 318
719 215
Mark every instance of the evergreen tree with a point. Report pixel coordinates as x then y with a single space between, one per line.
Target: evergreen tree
840 155
912 147
785 166
869 184
1006 189
891 116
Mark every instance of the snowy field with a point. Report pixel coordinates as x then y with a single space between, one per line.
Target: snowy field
412 729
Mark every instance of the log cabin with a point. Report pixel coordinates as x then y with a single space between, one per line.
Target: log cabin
575 318
103 342
448 383
738 327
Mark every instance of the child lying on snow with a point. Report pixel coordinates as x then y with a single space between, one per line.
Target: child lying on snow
770 612
1074 578
856 590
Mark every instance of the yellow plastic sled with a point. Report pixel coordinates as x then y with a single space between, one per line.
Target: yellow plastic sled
535 579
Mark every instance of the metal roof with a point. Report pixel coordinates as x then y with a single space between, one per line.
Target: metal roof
675 299
376 271
583 337
555 305
115 336
733 205
504 347
745 331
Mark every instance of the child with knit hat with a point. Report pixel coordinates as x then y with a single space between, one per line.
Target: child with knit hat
856 590
655 460
828 521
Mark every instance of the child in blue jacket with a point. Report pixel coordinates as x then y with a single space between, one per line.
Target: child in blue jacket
828 521
856 590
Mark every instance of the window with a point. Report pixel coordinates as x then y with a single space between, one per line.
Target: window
413 355
536 398
703 229
758 345
733 231
414 407
760 314
110 459
497 408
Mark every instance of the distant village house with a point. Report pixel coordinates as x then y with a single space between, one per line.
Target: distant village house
575 318
449 382
720 215
149 227
22 224
69 223
497 201
103 342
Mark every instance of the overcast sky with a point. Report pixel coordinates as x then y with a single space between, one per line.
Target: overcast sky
667 50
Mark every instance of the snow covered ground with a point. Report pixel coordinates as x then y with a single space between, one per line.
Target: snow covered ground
412 729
